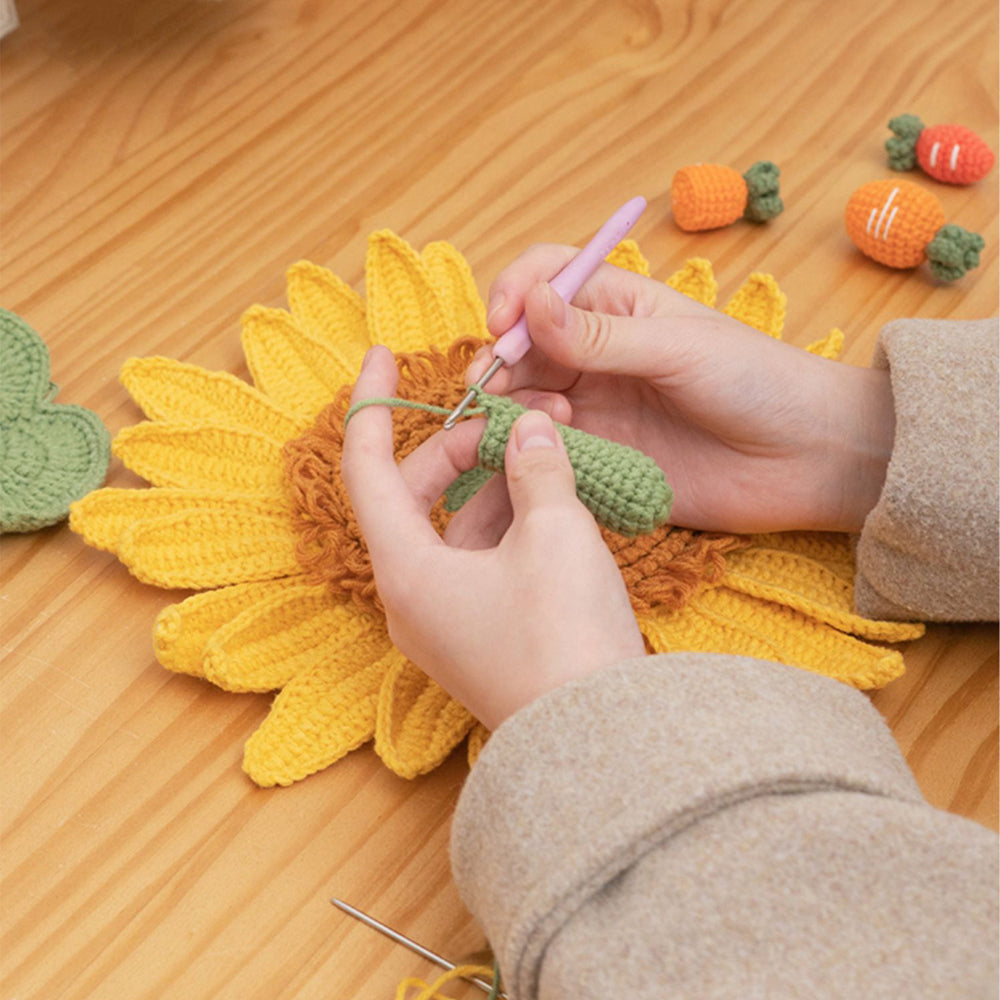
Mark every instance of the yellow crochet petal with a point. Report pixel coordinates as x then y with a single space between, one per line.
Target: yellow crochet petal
478 737
405 311
830 346
628 256
331 313
807 585
284 634
182 630
759 303
720 620
830 548
170 390
452 277
210 546
696 279
198 457
321 715
419 723
286 363
104 515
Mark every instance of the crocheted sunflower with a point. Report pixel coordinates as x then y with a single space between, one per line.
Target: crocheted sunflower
247 507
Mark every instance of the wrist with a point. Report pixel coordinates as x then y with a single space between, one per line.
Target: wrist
862 425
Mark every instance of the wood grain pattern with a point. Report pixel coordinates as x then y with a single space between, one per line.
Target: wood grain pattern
163 163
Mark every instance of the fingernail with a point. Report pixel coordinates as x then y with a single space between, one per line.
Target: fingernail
556 304
367 358
496 303
534 430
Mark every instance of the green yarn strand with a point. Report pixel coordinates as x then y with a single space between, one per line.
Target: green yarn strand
495 986
623 488
401 404
763 200
902 147
953 251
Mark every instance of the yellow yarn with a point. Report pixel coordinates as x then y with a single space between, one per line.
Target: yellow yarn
218 519
429 991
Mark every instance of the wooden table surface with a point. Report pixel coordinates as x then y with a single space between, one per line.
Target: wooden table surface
163 162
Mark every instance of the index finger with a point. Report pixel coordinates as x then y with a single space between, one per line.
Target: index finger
384 506
393 501
609 289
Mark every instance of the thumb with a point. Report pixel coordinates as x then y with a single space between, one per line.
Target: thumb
595 342
537 467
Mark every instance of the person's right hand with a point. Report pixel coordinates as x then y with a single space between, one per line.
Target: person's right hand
752 434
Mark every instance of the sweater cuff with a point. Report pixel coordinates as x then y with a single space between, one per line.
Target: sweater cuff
929 548
576 787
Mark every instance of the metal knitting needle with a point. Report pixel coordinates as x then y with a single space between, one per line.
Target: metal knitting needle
514 344
402 939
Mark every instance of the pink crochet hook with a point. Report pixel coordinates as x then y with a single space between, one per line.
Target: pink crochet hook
514 344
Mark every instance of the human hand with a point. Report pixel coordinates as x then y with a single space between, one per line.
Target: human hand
752 434
497 617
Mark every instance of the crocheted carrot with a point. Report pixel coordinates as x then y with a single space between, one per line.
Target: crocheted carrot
950 153
709 196
898 223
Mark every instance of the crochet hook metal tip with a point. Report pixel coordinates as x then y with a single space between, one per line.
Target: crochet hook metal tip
419 949
455 414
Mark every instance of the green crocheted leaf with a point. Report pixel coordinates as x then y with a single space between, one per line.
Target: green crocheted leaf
902 147
50 454
953 251
763 200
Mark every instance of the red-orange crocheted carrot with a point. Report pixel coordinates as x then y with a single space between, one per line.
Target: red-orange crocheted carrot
899 223
950 153
708 195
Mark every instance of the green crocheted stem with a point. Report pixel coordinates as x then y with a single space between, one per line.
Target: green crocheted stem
902 147
953 251
763 200
463 489
624 489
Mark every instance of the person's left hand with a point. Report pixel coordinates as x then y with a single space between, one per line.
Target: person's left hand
496 617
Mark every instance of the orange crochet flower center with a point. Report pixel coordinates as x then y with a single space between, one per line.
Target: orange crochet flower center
661 569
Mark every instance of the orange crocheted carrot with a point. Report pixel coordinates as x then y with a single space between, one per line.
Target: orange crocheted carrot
899 223
950 153
708 195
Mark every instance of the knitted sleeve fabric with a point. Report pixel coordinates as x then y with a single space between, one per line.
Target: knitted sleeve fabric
929 548
698 825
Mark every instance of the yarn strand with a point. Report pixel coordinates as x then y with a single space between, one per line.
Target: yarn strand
406 404
431 991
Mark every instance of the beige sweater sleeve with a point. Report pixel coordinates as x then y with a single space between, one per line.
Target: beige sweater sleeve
929 548
705 826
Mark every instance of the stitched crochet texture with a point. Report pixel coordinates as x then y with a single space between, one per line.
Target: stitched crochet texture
710 195
949 153
623 488
898 223
50 453
247 508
